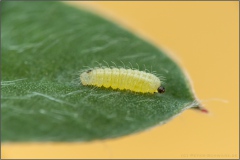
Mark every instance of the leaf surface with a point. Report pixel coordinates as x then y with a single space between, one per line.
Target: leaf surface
44 47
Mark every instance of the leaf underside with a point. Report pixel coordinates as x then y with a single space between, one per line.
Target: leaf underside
44 47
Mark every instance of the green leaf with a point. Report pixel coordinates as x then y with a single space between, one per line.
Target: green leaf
45 45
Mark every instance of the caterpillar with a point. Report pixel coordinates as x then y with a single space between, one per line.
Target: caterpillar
120 78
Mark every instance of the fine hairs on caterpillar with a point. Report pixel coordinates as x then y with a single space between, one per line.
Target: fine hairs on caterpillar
121 78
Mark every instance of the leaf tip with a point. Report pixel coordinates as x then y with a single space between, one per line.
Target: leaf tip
202 109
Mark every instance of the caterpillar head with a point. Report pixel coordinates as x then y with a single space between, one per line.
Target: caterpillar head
161 89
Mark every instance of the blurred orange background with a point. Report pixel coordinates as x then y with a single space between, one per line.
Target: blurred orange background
205 38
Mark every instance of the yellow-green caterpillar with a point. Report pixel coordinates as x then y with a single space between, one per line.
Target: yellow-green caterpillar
133 80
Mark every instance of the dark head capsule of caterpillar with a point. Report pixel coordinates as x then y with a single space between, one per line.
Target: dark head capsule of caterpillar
161 89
